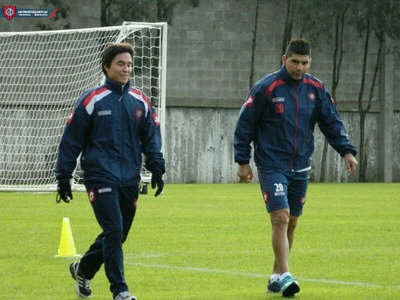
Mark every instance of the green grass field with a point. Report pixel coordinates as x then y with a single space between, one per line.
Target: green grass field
200 241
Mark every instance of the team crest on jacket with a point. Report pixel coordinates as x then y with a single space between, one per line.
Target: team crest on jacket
9 11
249 101
312 97
155 119
138 113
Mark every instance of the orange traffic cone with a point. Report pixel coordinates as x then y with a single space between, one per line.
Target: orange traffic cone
67 246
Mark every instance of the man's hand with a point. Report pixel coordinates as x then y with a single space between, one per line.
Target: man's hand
351 163
245 173
64 192
156 180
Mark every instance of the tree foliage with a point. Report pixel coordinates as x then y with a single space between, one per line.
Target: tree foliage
60 19
379 20
254 44
114 12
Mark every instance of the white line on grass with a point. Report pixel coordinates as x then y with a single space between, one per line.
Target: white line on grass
215 271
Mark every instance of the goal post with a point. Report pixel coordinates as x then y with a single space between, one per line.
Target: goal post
42 75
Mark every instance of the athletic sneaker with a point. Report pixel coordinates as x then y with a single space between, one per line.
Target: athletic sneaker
82 285
273 286
124 296
289 287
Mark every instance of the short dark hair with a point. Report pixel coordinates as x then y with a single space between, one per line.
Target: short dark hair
298 46
113 50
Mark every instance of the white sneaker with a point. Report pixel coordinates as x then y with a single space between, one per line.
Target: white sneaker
82 285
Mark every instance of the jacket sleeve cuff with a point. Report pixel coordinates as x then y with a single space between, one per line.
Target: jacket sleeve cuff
348 152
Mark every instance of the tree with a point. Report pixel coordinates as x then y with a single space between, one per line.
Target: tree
114 12
60 19
338 52
380 20
254 45
287 32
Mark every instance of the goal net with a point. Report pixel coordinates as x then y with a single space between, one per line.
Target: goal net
42 75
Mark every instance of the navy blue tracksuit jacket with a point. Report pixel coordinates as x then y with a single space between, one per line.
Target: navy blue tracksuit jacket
279 117
111 125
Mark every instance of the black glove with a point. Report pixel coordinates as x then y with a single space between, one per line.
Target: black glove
156 180
64 192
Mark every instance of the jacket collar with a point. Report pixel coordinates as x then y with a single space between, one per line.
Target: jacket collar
116 87
283 74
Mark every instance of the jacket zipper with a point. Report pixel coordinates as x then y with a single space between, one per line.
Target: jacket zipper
122 133
296 129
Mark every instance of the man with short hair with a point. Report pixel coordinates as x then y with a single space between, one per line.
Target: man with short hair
111 126
279 117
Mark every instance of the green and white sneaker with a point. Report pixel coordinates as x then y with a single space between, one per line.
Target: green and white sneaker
289 287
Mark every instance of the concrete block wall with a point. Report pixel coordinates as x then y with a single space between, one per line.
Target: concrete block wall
209 51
